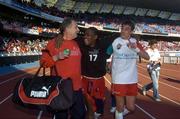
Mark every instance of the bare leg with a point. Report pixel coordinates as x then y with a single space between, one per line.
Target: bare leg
130 103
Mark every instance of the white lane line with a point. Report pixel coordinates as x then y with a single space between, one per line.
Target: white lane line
162 68
170 70
161 82
6 98
152 92
160 74
40 114
163 96
152 117
107 80
12 94
16 77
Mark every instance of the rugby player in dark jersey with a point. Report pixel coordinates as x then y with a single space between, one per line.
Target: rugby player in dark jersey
93 69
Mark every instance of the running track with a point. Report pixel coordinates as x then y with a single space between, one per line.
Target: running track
147 108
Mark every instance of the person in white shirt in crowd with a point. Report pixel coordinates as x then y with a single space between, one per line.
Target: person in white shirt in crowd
125 51
153 69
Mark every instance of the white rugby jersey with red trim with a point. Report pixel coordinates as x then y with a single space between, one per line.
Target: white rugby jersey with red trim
124 69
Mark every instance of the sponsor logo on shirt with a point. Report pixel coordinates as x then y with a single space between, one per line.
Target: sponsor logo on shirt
118 46
125 56
75 52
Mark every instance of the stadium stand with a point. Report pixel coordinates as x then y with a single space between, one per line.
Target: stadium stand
160 24
26 26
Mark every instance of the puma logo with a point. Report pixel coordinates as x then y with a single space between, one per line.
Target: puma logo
40 94
46 89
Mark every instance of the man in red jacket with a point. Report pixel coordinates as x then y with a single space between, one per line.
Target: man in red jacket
66 56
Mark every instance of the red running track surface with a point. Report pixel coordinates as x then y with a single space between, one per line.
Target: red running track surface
146 107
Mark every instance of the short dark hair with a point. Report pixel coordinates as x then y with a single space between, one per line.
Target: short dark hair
94 30
152 42
130 23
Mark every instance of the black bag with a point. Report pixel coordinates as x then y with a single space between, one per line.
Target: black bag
44 92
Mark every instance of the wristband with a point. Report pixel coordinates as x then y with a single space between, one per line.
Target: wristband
55 58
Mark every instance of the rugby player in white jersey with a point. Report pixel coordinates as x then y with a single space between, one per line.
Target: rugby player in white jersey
125 51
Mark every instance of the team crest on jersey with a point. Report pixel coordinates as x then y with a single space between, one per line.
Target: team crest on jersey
119 46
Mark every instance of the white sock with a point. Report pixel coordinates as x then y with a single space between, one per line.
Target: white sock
54 117
125 112
118 115
96 115
113 109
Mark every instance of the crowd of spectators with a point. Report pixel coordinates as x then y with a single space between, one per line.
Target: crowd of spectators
103 20
40 5
161 29
143 26
16 47
27 28
164 45
113 21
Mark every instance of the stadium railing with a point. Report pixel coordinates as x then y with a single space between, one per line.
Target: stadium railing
8 59
172 57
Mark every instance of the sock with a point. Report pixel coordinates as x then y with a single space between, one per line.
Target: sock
118 115
125 112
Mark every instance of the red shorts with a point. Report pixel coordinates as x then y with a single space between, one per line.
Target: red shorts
94 87
125 89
